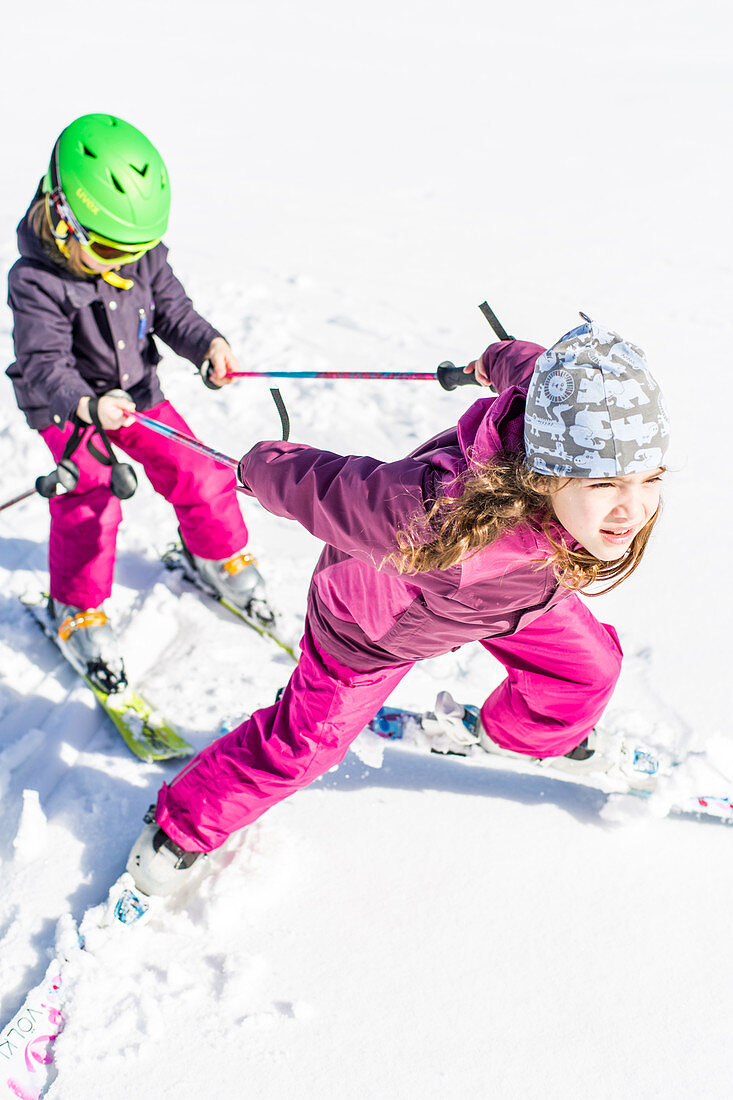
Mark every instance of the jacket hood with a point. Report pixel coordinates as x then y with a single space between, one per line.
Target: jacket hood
29 244
493 425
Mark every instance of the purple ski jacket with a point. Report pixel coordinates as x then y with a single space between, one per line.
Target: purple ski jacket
370 618
77 337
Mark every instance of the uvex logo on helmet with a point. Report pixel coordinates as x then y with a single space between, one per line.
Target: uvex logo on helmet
81 193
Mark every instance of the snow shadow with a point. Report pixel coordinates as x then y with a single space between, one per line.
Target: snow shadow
17 553
433 772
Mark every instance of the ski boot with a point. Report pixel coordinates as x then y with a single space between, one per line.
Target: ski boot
451 727
237 581
459 727
87 641
158 865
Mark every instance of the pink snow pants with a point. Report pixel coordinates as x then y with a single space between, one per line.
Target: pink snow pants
562 669
83 536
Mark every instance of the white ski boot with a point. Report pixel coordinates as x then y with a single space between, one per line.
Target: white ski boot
237 581
453 727
158 865
88 642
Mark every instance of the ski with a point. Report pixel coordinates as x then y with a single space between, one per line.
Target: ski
632 768
26 1043
143 729
174 559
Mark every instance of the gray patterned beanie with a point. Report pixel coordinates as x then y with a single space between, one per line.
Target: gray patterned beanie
593 408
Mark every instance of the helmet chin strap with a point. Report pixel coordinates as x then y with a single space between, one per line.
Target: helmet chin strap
114 279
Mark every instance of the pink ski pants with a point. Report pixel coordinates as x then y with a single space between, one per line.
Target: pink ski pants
562 669
83 536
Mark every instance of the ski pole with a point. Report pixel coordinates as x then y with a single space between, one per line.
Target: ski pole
17 500
65 475
185 440
48 486
447 374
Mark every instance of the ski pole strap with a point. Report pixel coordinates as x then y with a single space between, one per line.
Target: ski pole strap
283 413
110 458
494 321
123 479
66 473
74 439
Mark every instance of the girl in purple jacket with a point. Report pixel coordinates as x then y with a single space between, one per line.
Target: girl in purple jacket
92 286
485 533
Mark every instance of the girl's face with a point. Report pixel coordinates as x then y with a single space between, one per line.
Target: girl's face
604 515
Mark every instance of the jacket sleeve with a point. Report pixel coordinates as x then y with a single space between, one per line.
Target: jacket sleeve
351 502
176 321
510 362
43 339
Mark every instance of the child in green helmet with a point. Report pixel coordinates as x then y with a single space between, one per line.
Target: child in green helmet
89 294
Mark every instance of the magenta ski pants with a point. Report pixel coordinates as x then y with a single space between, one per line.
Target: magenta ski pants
84 522
562 671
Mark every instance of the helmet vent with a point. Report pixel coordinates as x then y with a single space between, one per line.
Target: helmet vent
88 152
140 171
117 183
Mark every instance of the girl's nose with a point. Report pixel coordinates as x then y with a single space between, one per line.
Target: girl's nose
630 505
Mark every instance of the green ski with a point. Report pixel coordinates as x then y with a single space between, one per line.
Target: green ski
143 729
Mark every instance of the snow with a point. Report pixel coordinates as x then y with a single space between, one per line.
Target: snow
349 183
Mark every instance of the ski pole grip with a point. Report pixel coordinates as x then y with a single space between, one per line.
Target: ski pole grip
450 376
46 485
205 373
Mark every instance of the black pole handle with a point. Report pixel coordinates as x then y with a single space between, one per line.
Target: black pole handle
450 376
205 372
47 485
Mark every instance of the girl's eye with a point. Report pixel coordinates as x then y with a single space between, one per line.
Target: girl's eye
601 485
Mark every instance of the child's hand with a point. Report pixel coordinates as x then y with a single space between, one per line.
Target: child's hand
477 368
112 411
222 360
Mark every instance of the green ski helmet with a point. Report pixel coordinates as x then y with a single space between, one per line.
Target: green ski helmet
113 181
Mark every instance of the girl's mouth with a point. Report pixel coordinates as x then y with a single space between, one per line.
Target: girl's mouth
619 536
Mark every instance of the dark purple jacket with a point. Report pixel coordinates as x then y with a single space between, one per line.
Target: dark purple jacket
371 618
80 336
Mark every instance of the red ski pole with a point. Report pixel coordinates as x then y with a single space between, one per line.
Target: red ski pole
447 374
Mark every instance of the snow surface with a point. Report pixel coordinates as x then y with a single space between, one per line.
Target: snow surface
350 181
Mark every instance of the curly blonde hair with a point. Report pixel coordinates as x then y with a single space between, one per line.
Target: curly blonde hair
492 499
